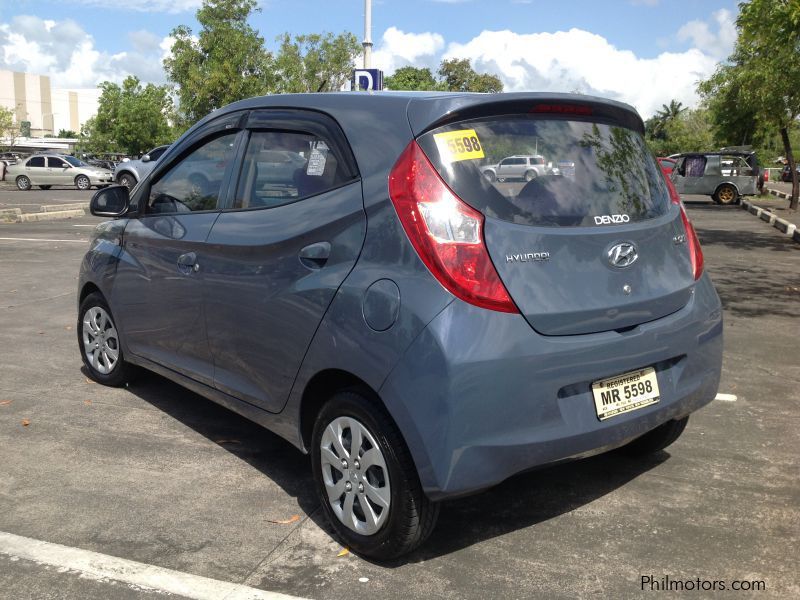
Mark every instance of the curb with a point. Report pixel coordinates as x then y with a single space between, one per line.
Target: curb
50 216
9 215
790 229
84 206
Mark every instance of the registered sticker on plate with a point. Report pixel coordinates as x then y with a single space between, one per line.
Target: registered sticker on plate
624 393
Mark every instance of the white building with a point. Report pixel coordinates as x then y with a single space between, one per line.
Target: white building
31 98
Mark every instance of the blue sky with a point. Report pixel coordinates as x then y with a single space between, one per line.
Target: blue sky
641 51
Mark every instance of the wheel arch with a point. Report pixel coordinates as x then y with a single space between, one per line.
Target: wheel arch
321 388
730 183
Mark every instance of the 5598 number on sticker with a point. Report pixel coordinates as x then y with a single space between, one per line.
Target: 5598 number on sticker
458 145
626 392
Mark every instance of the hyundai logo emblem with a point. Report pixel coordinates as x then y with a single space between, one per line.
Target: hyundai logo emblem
622 255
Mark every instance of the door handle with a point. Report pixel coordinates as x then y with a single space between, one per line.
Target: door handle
188 263
314 256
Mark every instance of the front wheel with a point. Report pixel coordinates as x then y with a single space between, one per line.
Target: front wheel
82 182
726 194
657 439
23 183
490 176
127 180
99 342
366 481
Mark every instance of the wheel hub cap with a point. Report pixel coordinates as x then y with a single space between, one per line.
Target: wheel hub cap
355 476
100 341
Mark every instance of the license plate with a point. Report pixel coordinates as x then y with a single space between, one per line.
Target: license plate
624 393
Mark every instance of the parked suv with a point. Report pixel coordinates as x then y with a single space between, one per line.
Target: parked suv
517 167
130 172
421 332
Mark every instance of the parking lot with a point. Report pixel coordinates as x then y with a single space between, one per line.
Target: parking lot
158 475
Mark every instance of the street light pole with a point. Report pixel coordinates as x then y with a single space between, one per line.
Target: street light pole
367 34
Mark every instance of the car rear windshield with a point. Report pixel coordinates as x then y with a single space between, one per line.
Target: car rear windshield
592 171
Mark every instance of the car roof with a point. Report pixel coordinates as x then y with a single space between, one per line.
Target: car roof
426 110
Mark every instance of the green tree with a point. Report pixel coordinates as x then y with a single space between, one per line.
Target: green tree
412 78
458 75
762 75
226 62
315 62
9 129
130 117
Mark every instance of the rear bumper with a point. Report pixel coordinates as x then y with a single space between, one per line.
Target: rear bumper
480 396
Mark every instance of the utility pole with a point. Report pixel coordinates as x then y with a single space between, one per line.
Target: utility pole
367 34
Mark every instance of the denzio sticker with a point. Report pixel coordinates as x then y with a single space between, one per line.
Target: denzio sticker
458 145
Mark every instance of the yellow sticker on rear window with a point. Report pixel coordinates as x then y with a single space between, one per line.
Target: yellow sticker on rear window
458 145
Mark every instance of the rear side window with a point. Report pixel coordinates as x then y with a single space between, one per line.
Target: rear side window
590 170
36 161
281 167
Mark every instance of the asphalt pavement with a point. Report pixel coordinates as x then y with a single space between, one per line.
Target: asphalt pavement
161 477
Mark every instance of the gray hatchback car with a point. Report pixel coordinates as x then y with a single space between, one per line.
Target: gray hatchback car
420 331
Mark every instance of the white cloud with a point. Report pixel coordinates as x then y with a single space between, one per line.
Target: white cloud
148 6
65 52
400 49
718 44
574 60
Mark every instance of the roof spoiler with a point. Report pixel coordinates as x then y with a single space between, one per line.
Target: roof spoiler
428 113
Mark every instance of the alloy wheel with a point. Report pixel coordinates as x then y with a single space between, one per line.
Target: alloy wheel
355 475
100 340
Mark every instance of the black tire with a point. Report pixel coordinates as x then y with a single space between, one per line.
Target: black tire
126 179
23 183
726 194
530 175
490 176
122 372
657 439
83 183
45 187
411 515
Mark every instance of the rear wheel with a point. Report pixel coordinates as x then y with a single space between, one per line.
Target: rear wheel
530 175
127 180
82 182
366 481
726 194
99 342
657 439
23 183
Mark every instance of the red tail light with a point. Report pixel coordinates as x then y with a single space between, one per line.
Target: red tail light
695 252
446 233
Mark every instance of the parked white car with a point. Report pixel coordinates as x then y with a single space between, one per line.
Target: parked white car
525 167
47 170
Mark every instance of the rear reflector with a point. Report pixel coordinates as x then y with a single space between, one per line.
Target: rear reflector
695 252
446 233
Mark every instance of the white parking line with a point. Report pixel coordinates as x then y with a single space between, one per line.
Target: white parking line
726 397
10 239
101 567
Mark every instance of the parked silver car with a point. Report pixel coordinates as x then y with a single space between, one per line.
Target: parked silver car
131 172
725 176
47 170
525 167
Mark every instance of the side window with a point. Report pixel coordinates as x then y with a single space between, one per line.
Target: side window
194 182
56 163
36 161
280 167
156 154
506 162
695 166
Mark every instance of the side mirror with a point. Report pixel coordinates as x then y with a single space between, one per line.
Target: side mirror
145 158
112 201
